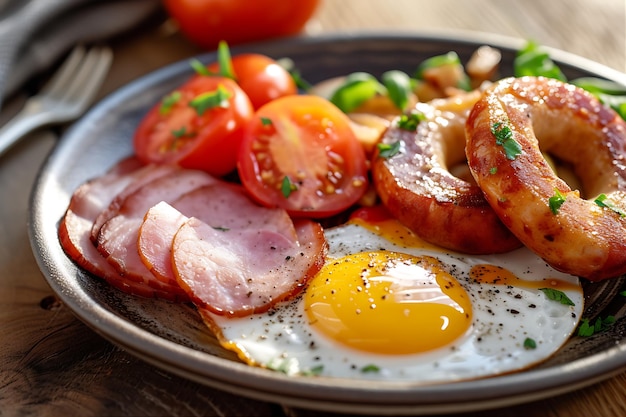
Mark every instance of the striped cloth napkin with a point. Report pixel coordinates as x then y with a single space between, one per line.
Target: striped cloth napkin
34 34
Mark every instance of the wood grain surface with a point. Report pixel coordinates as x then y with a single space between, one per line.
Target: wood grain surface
53 365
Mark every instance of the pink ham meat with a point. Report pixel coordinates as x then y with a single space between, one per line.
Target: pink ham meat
117 238
75 228
140 179
232 257
237 272
155 239
221 205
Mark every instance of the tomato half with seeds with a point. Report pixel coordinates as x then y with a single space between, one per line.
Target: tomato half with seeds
200 125
300 154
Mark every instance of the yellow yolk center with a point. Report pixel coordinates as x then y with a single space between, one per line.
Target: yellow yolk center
388 303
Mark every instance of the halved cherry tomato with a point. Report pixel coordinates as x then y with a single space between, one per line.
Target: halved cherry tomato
261 77
206 22
200 125
300 154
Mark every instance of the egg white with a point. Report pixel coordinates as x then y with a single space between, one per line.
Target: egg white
503 318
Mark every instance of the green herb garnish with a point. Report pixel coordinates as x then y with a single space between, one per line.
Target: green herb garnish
409 121
587 329
530 343
211 99
266 121
603 201
169 102
182 132
316 370
556 201
557 295
370 368
287 187
387 150
504 138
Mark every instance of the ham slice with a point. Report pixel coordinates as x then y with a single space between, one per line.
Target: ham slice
75 227
232 256
221 205
237 272
139 180
117 238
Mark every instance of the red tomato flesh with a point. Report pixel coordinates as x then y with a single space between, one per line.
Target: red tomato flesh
299 153
260 77
178 130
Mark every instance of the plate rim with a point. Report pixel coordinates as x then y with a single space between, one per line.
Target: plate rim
358 396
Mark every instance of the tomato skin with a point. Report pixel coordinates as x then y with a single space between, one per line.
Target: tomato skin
310 141
217 133
206 22
261 77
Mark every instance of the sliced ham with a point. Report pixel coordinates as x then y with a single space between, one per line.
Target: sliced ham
139 180
75 228
221 205
117 238
154 242
237 272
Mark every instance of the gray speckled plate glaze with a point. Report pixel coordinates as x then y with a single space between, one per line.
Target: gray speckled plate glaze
173 337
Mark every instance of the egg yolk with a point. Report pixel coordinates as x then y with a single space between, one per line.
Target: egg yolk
388 303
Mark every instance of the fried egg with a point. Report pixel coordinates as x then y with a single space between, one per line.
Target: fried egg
390 306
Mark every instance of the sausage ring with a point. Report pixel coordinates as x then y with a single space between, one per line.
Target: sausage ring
505 131
418 189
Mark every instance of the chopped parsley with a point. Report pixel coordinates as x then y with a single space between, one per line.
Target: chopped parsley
211 99
387 150
603 201
587 329
370 368
530 343
409 121
266 121
504 138
493 170
556 201
182 133
287 187
557 295
316 370
169 101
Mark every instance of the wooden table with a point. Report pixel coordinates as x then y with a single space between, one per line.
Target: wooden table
51 364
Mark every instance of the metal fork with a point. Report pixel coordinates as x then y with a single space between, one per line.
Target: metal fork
64 98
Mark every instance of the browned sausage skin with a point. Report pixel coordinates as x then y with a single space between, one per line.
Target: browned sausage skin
417 187
578 235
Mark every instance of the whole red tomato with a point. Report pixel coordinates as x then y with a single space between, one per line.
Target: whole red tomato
206 22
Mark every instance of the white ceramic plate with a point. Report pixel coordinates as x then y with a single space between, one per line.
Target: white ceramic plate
173 337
